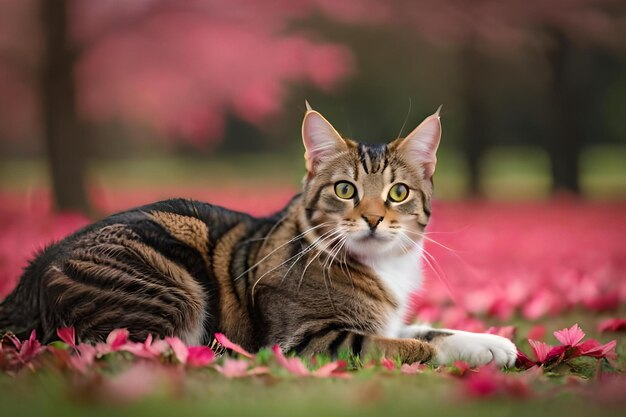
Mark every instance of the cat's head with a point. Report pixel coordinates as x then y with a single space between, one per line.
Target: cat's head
371 199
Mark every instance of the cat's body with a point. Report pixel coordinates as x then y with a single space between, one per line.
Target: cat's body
332 271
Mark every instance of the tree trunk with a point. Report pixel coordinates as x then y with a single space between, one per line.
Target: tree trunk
475 137
61 127
565 140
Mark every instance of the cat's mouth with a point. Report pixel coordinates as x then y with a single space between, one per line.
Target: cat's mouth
372 235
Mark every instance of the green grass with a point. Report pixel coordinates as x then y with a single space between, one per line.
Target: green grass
370 392
510 173
206 393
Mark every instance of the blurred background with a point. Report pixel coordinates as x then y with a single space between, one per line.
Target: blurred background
172 96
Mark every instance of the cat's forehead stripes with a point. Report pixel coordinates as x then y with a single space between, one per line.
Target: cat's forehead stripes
373 158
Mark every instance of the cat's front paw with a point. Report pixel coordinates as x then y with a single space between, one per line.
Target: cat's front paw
476 349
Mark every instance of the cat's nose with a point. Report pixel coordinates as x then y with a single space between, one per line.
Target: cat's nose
372 221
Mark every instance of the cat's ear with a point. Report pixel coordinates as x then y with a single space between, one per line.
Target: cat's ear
320 138
421 144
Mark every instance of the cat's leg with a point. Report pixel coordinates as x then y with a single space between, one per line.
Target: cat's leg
474 348
407 350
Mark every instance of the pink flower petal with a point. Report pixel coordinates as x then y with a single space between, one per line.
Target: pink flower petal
30 348
200 356
85 358
293 365
67 335
537 332
571 336
556 355
594 349
134 383
388 363
223 340
462 367
148 349
481 384
412 369
489 381
179 348
239 368
612 325
333 369
233 368
117 338
523 361
540 350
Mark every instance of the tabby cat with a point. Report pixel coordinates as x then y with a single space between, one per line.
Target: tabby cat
333 270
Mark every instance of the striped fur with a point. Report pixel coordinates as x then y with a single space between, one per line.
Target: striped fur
305 278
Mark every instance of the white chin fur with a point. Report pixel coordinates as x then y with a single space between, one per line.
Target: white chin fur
371 247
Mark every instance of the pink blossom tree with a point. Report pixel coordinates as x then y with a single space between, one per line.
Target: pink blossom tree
175 67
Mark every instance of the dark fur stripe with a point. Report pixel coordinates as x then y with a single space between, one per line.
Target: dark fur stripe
312 335
335 344
313 202
361 150
424 203
377 154
357 343
433 334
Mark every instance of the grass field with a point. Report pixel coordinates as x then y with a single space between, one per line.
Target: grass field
368 392
513 173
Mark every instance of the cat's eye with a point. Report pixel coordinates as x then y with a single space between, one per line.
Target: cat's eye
344 190
398 193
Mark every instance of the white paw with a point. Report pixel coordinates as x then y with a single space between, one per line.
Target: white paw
475 348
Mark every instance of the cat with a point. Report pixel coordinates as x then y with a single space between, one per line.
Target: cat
332 271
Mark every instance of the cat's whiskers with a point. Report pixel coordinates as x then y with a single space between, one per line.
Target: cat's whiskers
424 255
422 252
452 251
334 242
285 261
347 268
280 247
425 237
333 253
302 253
333 237
330 258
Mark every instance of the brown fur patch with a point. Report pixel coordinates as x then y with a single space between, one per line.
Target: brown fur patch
407 350
233 318
189 230
98 287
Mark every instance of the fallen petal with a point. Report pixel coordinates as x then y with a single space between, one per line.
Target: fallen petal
223 340
67 335
117 338
523 361
612 325
200 356
540 350
179 348
233 368
333 369
571 336
594 349
293 365
388 363
538 332
412 369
